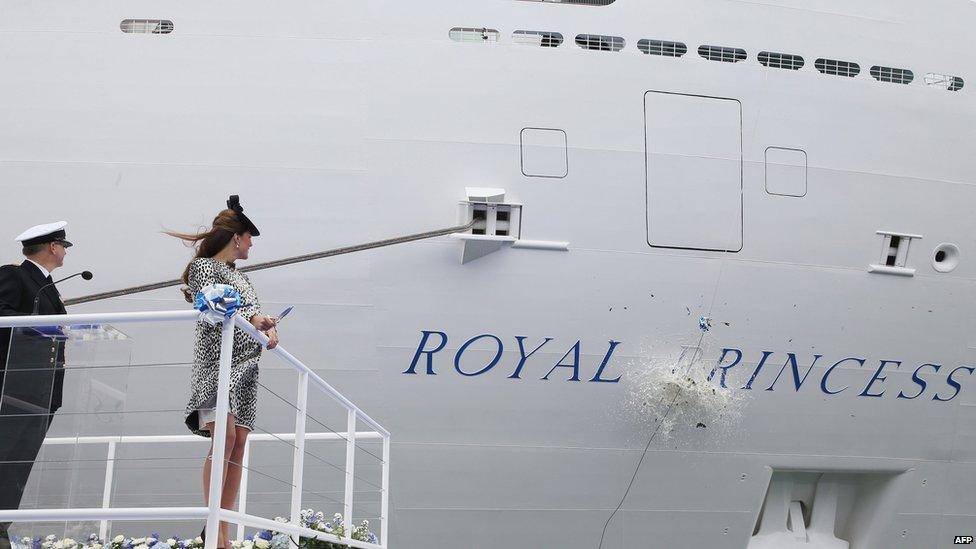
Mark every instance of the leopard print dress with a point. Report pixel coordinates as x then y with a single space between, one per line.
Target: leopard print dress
247 352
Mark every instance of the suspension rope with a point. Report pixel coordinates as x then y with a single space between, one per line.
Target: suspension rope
278 263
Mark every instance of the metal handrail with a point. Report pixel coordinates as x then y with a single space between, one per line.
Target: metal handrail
112 441
150 439
214 513
287 357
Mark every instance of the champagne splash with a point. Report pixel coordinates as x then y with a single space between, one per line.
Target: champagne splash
678 394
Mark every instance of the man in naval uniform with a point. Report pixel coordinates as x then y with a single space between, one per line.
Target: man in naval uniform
31 364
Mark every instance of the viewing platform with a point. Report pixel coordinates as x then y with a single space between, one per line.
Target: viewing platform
98 468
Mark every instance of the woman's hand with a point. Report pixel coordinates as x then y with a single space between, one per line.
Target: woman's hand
263 323
272 338
266 324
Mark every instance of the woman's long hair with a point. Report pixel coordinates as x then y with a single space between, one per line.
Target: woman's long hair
209 243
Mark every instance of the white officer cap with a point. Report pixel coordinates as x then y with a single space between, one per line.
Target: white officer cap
42 234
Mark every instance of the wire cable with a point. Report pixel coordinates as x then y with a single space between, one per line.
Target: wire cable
278 263
667 412
314 419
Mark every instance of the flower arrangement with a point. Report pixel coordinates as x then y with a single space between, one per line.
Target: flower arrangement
316 521
152 541
265 539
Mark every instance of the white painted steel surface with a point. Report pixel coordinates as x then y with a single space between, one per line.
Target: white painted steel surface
694 178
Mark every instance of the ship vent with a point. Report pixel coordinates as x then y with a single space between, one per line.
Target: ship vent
834 67
662 47
537 38
146 26
894 253
470 34
945 81
780 60
892 74
722 53
600 42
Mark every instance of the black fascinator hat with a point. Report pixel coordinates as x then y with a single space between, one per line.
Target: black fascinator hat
234 203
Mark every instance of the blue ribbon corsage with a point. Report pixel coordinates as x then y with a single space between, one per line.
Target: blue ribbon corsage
216 302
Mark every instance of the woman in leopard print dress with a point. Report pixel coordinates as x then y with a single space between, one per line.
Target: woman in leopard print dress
228 240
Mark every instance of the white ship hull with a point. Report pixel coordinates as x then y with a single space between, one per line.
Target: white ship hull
346 122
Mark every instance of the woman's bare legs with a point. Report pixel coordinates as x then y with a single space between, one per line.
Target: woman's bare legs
229 446
232 482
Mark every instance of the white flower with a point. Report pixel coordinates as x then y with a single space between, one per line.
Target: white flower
171 542
52 537
198 539
140 541
96 546
59 544
141 545
248 544
118 539
262 543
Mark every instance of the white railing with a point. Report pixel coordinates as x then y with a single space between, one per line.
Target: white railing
213 512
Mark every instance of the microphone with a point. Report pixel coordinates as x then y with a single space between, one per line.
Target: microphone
87 275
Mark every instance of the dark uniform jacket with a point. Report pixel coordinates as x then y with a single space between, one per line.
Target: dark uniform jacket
19 285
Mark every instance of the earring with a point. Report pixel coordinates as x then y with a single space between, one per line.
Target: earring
237 243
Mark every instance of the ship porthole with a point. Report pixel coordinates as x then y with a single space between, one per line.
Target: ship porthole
945 258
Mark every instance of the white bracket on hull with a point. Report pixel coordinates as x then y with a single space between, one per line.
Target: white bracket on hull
496 224
894 254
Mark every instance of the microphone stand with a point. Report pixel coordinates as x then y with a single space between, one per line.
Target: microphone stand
87 275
